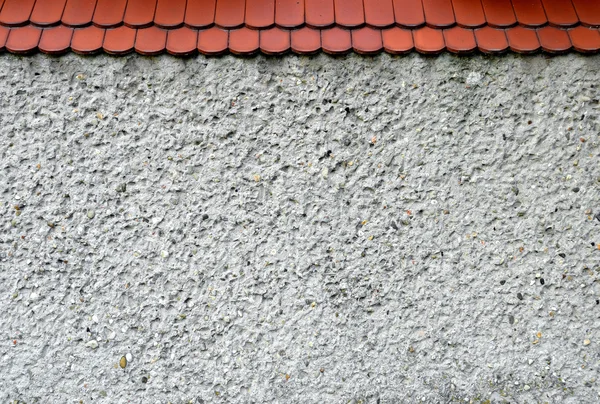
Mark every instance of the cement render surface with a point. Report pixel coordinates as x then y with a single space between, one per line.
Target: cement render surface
300 229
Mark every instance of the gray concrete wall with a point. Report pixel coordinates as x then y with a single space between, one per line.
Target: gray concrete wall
300 230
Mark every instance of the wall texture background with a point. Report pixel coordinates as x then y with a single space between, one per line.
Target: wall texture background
344 230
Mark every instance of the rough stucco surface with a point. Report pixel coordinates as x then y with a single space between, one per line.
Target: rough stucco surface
300 229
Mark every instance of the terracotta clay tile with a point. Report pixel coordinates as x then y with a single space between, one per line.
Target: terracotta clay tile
260 13
530 12
397 40
3 36
367 41
554 40
170 13
23 40
119 41
588 11
469 13
409 13
139 13
87 40
306 40
182 41
230 13
319 13
243 41
585 40
151 41
379 13
200 13
438 13
16 12
336 41
499 13
491 40
78 13
109 13
274 41
289 13
47 12
523 40
560 12
460 40
56 40
429 40
213 41
349 13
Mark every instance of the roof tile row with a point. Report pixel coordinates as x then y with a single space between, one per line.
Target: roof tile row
262 14
274 41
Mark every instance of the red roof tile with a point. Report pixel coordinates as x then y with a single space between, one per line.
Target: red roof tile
491 40
119 41
585 40
47 12
139 13
460 40
170 13
182 41
379 13
200 13
274 41
319 13
24 40
588 11
182 27
523 40
336 41
560 13
499 13
260 13
349 13
367 41
397 40
16 12
150 41
87 40
109 13
56 40
429 40
438 13
3 36
213 41
469 13
78 13
306 40
243 41
230 13
289 13
530 12
554 40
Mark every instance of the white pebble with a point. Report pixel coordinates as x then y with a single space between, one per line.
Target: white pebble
526 387
95 319
129 357
92 344
164 254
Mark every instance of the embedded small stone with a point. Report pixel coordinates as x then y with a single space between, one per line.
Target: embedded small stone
92 344
526 387
123 362
129 357
587 342
91 214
